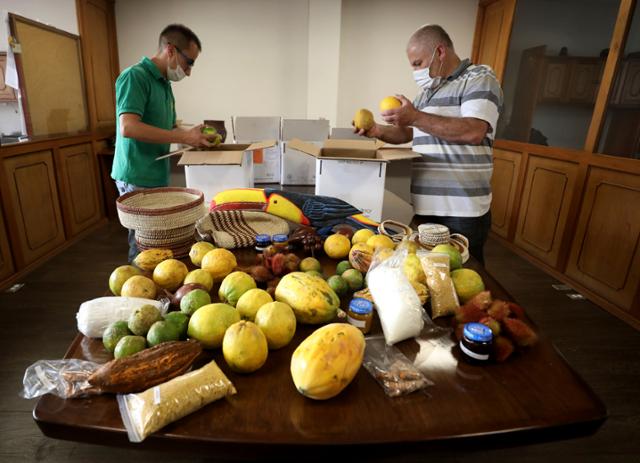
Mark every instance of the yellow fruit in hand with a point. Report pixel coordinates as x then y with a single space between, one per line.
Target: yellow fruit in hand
380 241
361 236
363 119
337 246
390 102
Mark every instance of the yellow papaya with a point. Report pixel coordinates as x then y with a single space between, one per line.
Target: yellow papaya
311 298
327 361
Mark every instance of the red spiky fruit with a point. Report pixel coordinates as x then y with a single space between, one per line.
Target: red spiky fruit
482 300
499 310
469 313
502 348
519 332
516 311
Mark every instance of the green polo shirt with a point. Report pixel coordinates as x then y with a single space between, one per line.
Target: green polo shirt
142 89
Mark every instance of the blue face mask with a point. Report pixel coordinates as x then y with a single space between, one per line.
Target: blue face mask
422 77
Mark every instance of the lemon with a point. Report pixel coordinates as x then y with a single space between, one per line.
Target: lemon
251 301
200 276
169 274
219 263
337 246
139 286
198 250
363 119
209 323
361 236
380 241
467 282
390 102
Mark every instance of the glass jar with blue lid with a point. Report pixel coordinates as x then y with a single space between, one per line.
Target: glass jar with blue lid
262 241
360 314
281 242
476 343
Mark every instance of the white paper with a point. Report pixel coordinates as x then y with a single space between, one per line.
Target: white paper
11 73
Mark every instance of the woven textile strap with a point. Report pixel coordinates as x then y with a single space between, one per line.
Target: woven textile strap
237 228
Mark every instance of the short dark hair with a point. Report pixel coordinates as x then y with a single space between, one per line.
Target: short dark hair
432 35
178 35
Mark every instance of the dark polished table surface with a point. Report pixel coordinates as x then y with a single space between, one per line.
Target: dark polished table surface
535 393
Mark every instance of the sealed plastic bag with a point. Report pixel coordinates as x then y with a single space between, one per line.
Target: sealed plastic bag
151 410
392 369
95 315
66 378
444 299
398 305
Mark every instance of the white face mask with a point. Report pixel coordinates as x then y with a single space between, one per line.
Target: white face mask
177 74
422 77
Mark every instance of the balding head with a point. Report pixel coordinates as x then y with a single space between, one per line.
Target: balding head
430 36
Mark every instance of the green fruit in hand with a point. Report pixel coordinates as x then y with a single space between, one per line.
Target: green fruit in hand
193 300
353 278
162 331
342 266
338 284
209 130
141 320
129 345
180 321
114 332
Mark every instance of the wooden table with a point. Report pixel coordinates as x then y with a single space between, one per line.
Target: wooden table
531 396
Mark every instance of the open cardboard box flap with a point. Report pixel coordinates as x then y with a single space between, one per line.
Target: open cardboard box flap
359 150
227 154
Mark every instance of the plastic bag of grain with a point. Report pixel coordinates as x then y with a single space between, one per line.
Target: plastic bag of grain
151 410
444 299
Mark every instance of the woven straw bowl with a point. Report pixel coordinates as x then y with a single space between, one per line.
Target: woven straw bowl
160 208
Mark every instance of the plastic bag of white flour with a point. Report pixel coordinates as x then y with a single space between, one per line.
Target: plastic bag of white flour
398 305
95 315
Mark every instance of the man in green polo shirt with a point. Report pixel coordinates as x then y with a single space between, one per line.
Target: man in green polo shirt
146 116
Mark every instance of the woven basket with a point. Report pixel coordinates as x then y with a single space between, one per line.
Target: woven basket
162 217
430 235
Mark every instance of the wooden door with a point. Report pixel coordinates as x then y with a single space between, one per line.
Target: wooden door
6 262
629 90
99 47
584 80
506 169
493 29
555 80
6 93
34 207
605 255
548 190
77 179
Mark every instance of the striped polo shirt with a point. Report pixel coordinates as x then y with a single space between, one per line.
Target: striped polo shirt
454 179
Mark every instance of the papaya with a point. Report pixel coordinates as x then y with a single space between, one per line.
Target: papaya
327 361
311 298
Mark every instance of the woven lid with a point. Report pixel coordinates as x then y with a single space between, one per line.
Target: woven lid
160 208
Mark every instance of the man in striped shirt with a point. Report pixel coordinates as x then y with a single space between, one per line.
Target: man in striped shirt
452 123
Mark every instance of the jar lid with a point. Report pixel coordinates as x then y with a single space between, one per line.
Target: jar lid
263 239
279 238
360 306
477 332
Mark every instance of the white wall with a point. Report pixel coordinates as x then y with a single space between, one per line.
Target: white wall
57 13
293 58
373 60
253 60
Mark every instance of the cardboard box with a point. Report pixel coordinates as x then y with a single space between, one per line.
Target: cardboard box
346 133
299 168
372 177
221 168
266 164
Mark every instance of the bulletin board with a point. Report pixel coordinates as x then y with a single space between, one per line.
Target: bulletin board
51 75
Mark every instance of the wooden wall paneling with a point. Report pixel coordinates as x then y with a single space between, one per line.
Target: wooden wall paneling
546 198
616 48
605 255
97 29
555 80
6 260
504 185
493 30
34 206
77 178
